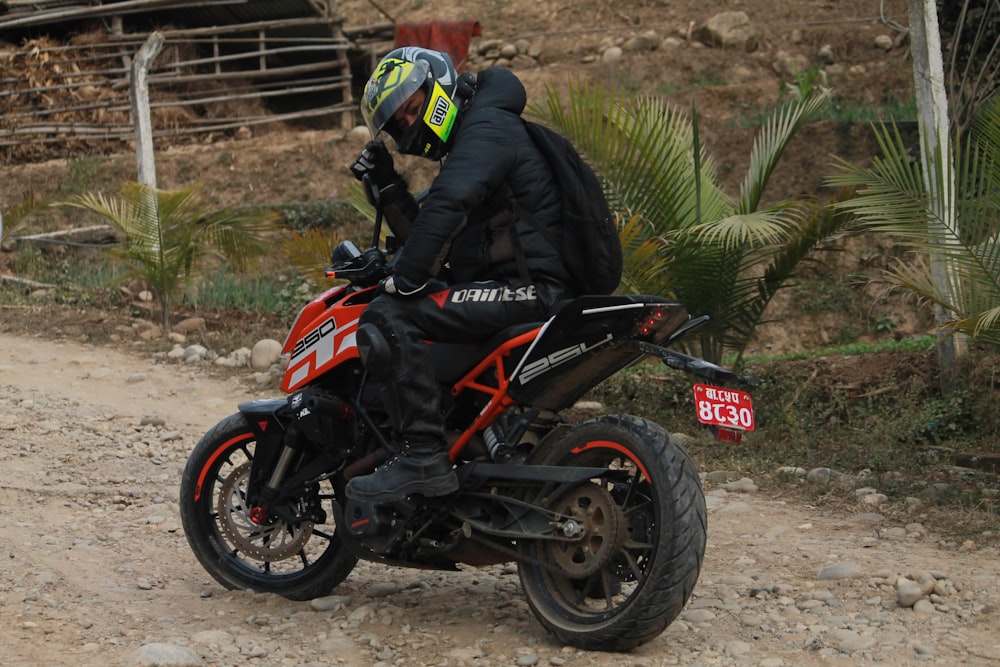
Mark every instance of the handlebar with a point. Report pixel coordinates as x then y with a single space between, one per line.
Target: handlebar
364 268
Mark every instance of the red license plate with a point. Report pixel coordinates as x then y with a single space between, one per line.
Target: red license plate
729 408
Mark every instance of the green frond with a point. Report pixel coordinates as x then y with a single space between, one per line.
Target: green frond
309 251
12 217
954 229
355 196
770 144
645 262
643 151
761 228
986 326
168 233
685 234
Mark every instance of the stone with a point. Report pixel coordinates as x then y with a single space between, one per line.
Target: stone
908 592
190 325
743 485
265 352
164 655
359 134
845 570
737 647
383 589
849 641
820 476
612 55
874 499
152 333
698 615
728 30
647 41
330 602
884 42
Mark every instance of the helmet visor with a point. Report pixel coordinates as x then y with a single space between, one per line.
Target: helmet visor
392 83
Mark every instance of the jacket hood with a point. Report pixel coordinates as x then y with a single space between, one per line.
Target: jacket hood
499 87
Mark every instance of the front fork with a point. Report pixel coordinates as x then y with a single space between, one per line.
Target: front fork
261 512
310 413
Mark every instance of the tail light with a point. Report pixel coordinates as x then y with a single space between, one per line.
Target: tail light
651 321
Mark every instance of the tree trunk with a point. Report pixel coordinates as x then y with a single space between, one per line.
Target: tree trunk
937 160
140 109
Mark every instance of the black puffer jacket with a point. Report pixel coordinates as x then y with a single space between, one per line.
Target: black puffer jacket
467 210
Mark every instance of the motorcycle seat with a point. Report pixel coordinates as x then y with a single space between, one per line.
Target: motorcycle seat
453 360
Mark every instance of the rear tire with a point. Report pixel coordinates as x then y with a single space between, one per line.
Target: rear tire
298 561
617 597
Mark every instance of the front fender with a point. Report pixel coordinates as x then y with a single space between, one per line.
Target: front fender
269 426
262 416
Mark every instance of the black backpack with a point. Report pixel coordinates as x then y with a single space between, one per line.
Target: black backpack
591 249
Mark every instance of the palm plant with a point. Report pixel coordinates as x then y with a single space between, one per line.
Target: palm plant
893 199
720 256
12 218
168 234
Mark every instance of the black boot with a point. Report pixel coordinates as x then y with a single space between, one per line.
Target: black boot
422 470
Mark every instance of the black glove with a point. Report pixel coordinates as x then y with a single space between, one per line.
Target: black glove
376 162
397 285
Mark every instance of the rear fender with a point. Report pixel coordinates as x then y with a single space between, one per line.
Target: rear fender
585 343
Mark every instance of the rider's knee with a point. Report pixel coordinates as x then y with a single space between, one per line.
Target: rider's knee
374 350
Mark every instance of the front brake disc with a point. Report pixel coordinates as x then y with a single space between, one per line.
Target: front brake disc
271 541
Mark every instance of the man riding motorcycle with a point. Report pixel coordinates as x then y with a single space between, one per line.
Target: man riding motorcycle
468 267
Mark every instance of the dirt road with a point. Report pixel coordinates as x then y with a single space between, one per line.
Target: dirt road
94 569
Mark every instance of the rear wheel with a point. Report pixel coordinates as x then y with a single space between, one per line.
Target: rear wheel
643 537
299 561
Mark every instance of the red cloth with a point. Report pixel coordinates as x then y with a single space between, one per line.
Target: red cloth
452 37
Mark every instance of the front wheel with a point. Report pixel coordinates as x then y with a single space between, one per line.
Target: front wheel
638 560
299 561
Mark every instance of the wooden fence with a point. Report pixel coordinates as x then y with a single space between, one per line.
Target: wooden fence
206 80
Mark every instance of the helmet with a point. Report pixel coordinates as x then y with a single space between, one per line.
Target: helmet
397 77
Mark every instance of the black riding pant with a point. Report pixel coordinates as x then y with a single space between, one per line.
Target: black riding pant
404 368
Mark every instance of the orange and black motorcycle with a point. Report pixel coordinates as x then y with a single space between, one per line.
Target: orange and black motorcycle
605 518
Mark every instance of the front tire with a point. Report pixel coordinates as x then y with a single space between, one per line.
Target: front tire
298 561
633 574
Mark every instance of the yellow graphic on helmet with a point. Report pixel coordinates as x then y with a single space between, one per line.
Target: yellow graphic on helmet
390 84
440 113
384 80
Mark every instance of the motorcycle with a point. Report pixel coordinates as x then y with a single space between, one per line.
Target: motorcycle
605 518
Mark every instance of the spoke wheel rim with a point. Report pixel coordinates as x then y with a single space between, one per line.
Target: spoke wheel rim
609 589
601 520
